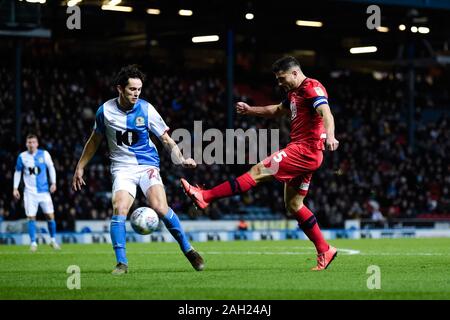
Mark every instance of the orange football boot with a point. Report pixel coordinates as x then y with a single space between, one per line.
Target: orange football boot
324 259
195 193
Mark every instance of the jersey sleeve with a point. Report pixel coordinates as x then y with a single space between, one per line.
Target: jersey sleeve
19 164
18 172
317 94
156 123
50 166
99 125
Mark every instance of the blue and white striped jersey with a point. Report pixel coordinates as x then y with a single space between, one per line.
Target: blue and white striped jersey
34 168
127 133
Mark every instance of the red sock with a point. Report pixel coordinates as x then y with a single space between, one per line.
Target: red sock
308 223
228 188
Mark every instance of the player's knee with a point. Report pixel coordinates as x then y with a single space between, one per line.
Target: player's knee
161 208
257 172
294 206
120 209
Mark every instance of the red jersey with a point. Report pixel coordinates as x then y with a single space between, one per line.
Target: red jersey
306 124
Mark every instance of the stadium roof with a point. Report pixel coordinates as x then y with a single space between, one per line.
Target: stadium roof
273 28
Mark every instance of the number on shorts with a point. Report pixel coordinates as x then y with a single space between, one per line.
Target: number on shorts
279 156
152 173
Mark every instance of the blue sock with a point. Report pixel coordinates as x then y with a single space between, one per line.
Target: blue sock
32 230
173 225
118 237
51 228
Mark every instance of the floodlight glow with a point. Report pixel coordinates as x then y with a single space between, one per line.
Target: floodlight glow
153 11
369 49
305 23
249 16
200 39
114 2
117 8
382 29
413 29
186 13
424 30
72 3
402 27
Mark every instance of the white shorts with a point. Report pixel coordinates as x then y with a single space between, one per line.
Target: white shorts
127 178
32 202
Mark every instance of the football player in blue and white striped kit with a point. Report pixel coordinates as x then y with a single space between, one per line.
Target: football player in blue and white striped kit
34 164
126 122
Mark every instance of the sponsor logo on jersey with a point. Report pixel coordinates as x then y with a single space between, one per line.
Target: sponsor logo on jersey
140 121
319 91
34 170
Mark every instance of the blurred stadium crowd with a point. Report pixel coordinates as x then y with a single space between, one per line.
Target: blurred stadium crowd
375 174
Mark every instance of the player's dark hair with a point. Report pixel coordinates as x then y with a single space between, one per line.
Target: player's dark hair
131 71
284 64
32 136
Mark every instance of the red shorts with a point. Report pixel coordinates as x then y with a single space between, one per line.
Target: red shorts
294 165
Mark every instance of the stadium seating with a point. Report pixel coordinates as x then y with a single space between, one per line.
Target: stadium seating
374 161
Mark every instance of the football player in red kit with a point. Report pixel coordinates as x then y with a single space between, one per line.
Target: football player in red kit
312 130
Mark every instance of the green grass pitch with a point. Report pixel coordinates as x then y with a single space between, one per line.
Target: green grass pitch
274 270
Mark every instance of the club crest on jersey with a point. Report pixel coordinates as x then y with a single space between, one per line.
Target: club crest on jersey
41 160
319 91
140 121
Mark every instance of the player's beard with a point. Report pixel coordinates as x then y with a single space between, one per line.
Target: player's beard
129 101
285 88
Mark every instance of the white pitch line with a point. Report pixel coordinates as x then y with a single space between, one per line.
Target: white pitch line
348 251
307 252
404 254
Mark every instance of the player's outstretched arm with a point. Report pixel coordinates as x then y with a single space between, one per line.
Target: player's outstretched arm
89 150
270 111
328 122
175 152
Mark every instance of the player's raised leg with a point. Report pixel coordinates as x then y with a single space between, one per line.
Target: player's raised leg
308 223
156 197
122 202
203 197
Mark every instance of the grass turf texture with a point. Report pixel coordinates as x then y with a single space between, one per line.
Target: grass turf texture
274 270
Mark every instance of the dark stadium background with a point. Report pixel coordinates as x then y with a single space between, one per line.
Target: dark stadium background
391 107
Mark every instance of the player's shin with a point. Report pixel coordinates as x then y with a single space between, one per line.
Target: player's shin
173 224
51 224
118 238
231 187
32 230
308 223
